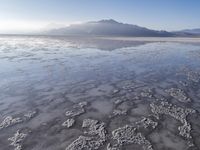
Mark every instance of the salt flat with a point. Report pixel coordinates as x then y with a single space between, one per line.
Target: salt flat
77 93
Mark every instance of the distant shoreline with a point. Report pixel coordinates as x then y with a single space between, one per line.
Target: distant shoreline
155 39
136 39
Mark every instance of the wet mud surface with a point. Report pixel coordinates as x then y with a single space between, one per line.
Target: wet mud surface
75 94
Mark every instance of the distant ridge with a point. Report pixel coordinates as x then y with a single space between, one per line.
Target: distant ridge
108 27
189 32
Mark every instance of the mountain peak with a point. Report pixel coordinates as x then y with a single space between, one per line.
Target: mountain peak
112 21
109 27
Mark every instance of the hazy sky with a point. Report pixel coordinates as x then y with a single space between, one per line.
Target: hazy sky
29 15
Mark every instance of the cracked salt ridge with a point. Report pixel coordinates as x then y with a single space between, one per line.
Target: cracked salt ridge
119 112
76 110
176 112
146 122
30 114
183 83
96 138
68 123
147 93
118 101
178 94
116 91
193 76
129 135
10 121
17 139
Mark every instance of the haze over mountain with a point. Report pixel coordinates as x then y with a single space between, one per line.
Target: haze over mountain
108 28
111 27
190 31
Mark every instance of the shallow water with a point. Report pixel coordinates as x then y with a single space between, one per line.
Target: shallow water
48 76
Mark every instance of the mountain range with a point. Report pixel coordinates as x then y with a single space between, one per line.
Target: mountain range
113 28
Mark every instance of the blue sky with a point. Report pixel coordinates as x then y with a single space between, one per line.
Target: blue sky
18 15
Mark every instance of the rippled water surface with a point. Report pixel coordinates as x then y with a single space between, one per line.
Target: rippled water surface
60 93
